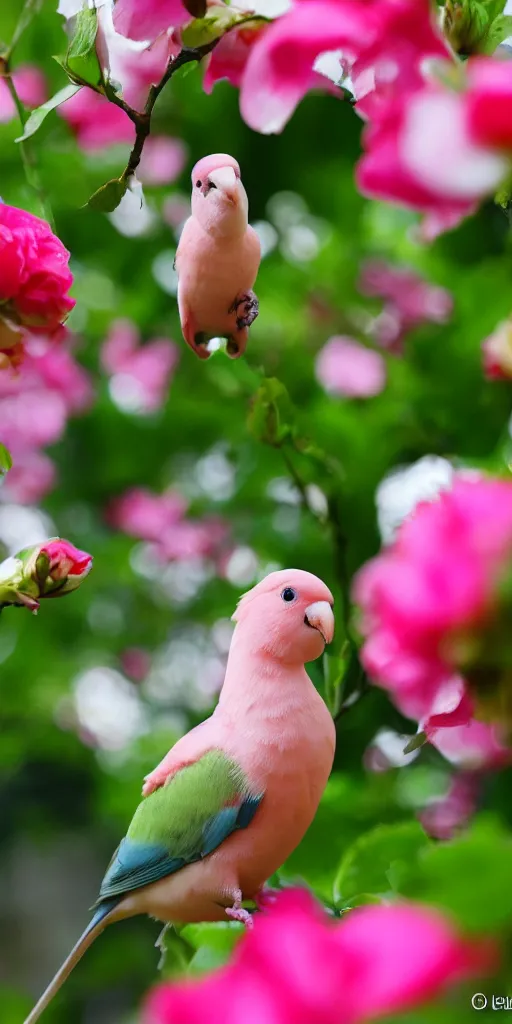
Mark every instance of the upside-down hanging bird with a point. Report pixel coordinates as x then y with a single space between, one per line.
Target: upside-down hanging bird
217 259
234 797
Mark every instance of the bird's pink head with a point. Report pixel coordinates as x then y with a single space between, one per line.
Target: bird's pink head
288 616
219 200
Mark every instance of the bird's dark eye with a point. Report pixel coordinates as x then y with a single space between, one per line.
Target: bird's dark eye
198 183
288 594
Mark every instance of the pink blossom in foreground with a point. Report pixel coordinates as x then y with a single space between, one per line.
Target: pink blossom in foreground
298 966
30 84
147 20
345 367
140 373
160 519
162 161
34 273
230 56
134 67
441 150
497 352
95 121
429 598
410 301
384 44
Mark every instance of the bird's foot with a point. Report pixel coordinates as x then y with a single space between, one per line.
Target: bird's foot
238 913
266 897
160 944
246 307
200 345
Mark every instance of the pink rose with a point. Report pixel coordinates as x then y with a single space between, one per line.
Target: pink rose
34 272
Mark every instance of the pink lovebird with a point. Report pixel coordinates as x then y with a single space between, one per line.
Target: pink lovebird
234 797
217 259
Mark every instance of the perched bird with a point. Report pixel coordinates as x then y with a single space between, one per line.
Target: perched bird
234 797
217 259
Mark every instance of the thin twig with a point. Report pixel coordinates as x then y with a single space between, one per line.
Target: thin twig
142 119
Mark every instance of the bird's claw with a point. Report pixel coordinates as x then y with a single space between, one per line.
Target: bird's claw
240 914
246 308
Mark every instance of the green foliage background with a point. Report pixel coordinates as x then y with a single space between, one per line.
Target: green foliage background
64 805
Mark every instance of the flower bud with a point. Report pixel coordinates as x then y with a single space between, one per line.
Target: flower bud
51 569
466 24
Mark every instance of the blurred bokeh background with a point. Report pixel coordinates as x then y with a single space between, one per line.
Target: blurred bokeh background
95 689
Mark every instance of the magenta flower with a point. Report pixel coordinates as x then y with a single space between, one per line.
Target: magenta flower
147 20
140 374
32 476
297 966
383 44
34 273
344 367
433 607
230 56
30 85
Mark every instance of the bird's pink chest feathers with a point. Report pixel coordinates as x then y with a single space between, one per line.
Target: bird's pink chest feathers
213 271
288 756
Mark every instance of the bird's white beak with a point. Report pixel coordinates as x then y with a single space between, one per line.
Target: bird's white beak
226 181
320 616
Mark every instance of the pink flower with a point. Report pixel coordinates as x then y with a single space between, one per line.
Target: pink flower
497 352
445 816
66 560
163 160
146 515
441 150
147 20
34 272
344 367
472 746
230 56
488 103
411 301
125 62
383 43
136 663
429 599
30 84
140 374
160 519
35 404
297 966
31 477
95 121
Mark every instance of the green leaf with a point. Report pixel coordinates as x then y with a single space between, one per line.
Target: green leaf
375 863
215 23
5 460
500 29
36 118
81 62
108 197
272 416
470 877
213 943
416 742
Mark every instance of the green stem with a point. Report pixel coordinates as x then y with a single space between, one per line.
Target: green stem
28 11
28 157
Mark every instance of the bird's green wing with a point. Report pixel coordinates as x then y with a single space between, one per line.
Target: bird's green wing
181 822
